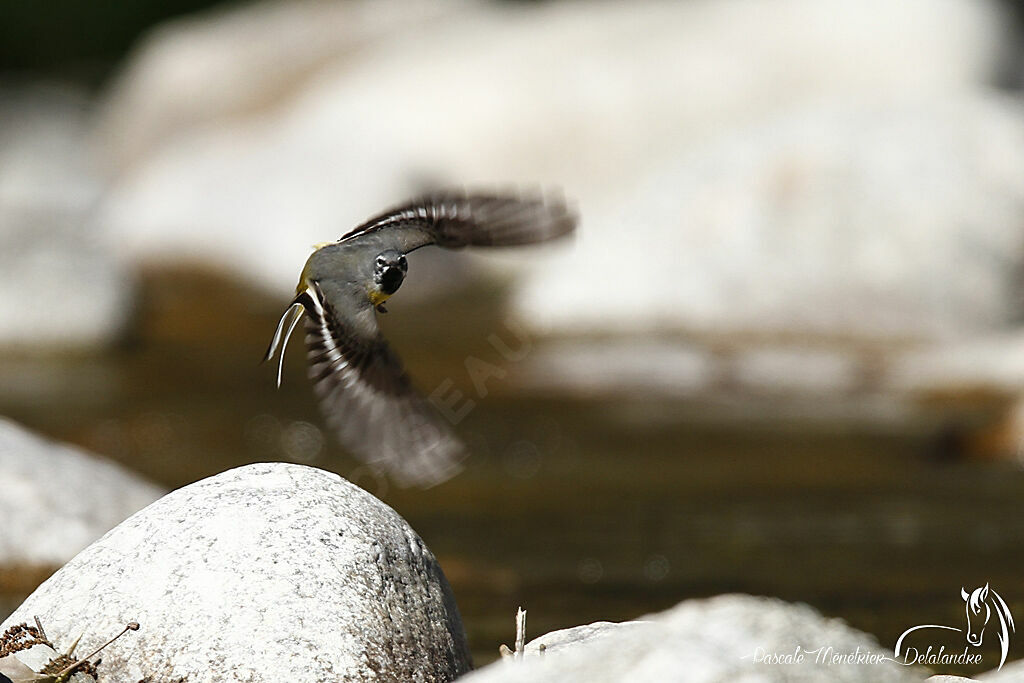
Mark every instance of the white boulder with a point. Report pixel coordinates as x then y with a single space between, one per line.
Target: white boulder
61 285
992 363
582 96
726 638
269 572
1013 672
892 219
56 499
237 62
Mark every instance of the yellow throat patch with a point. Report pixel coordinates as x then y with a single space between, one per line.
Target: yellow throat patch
378 297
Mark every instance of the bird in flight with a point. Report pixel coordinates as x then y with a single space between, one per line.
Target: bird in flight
362 387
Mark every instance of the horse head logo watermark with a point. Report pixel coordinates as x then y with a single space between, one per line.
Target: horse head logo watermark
980 604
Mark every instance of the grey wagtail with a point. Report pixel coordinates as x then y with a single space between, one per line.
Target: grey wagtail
363 390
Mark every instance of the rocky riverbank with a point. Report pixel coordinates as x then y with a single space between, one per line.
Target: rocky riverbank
279 571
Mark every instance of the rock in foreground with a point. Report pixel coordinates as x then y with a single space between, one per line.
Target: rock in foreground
269 572
727 638
1013 672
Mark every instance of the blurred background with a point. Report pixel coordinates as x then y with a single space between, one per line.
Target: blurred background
784 355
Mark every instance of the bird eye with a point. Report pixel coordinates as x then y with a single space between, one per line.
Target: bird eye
380 261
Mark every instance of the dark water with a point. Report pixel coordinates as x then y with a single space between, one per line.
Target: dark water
577 509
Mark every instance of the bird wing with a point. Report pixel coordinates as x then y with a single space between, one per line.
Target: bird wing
459 219
366 395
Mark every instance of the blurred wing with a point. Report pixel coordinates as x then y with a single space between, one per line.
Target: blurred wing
457 219
366 395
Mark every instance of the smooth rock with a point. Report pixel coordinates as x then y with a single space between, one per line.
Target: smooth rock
991 363
269 572
584 96
232 63
61 285
620 365
239 61
717 639
859 220
1012 672
781 370
57 499
566 638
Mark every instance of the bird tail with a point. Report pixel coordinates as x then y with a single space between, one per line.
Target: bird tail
285 326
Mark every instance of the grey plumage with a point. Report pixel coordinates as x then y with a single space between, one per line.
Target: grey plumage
362 387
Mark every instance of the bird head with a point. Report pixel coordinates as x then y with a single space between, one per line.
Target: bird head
389 269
